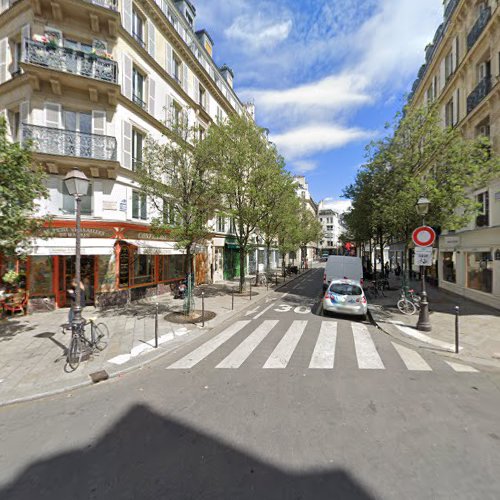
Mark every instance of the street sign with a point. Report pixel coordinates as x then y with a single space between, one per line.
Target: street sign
423 256
423 236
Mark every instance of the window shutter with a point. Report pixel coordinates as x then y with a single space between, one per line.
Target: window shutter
127 146
442 74
185 83
53 115
144 207
99 122
4 44
184 117
456 45
151 38
196 92
456 106
127 76
169 55
151 106
25 34
127 15
169 102
24 112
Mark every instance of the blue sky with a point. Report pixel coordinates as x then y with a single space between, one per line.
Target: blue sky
325 75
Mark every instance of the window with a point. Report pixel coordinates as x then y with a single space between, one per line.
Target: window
450 267
138 88
479 272
189 19
483 219
201 133
69 206
221 224
483 70
137 144
144 269
448 120
16 59
168 212
15 123
138 27
232 226
448 66
139 205
430 94
172 267
177 69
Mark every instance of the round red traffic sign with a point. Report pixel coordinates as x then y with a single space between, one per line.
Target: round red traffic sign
423 236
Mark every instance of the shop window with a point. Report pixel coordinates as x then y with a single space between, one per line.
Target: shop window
172 267
479 271
144 269
41 276
450 267
69 205
124 267
139 206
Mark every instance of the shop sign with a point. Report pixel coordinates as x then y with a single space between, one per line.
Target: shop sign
134 234
85 232
109 205
451 241
123 206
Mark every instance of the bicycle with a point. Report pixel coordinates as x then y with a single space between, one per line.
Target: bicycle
409 302
98 341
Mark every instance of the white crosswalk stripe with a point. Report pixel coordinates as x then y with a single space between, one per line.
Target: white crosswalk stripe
366 352
458 367
284 350
241 353
209 347
412 360
324 350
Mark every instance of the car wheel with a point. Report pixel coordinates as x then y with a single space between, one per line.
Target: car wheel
364 317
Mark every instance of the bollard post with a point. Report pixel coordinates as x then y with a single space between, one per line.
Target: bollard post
276 279
202 309
156 326
232 299
250 291
267 284
457 328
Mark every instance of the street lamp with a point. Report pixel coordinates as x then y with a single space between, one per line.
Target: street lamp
423 322
77 184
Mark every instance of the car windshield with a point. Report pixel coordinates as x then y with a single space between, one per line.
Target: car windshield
345 289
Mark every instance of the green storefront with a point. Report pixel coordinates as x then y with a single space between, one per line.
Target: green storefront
231 259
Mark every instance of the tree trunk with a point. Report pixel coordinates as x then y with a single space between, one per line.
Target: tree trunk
268 263
242 269
189 266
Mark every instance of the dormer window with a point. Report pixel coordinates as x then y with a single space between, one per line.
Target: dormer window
189 19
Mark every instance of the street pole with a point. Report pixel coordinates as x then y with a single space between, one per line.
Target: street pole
457 329
77 312
424 323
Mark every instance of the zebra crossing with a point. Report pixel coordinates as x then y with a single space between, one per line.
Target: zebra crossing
366 353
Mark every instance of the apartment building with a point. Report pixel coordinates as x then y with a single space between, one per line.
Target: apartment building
462 74
86 82
332 229
310 251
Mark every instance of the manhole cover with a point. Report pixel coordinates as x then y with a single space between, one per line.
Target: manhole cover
195 317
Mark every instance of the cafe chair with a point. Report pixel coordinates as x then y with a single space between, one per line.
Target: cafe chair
18 303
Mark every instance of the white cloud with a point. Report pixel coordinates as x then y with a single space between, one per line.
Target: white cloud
314 138
303 166
339 206
259 32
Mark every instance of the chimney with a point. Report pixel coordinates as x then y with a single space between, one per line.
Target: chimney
228 74
250 107
205 40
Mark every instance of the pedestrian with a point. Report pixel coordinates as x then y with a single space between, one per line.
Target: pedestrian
72 291
387 269
397 271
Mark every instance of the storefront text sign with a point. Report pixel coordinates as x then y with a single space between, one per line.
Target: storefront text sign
86 232
451 241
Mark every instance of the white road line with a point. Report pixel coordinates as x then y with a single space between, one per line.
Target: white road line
209 347
411 332
411 358
324 350
458 367
241 353
263 311
366 352
284 350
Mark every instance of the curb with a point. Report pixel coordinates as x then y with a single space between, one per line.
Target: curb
138 366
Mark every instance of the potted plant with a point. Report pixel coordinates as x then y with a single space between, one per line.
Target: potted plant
11 280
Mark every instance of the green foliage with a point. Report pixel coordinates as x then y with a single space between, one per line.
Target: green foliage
21 184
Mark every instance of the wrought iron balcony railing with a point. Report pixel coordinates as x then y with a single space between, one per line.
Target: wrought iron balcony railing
138 100
479 93
55 141
70 61
108 4
478 27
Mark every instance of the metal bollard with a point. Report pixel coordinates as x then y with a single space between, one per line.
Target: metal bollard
232 299
250 291
457 328
202 309
156 326
276 279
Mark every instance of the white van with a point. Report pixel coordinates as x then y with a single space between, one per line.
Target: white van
341 267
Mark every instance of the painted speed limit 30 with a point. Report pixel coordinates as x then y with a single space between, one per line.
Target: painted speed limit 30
424 236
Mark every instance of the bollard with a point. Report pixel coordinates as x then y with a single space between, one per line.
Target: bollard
156 326
232 299
202 309
276 279
457 329
250 291
267 284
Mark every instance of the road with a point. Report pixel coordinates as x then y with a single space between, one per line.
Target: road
280 403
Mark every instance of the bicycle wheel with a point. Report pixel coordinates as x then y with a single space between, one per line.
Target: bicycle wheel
406 307
74 354
101 336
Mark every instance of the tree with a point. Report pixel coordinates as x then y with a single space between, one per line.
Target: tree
179 185
21 185
310 229
244 164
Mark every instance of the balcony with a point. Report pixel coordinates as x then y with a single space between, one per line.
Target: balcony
70 61
478 27
479 93
107 4
138 100
60 142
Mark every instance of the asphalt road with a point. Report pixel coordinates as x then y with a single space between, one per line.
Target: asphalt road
279 404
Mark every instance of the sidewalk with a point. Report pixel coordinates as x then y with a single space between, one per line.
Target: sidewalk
479 325
33 359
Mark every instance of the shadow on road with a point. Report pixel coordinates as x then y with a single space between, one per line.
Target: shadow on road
147 456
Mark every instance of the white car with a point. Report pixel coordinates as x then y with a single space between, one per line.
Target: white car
345 297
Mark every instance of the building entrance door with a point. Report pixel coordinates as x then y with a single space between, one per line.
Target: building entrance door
67 273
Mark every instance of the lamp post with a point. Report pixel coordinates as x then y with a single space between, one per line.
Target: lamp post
77 184
423 322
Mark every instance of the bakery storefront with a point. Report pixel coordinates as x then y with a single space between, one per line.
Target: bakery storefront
120 263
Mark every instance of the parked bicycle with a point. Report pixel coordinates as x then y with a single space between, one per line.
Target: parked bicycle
374 289
98 341
409 303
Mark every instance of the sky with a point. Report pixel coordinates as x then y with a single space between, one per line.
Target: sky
325 75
